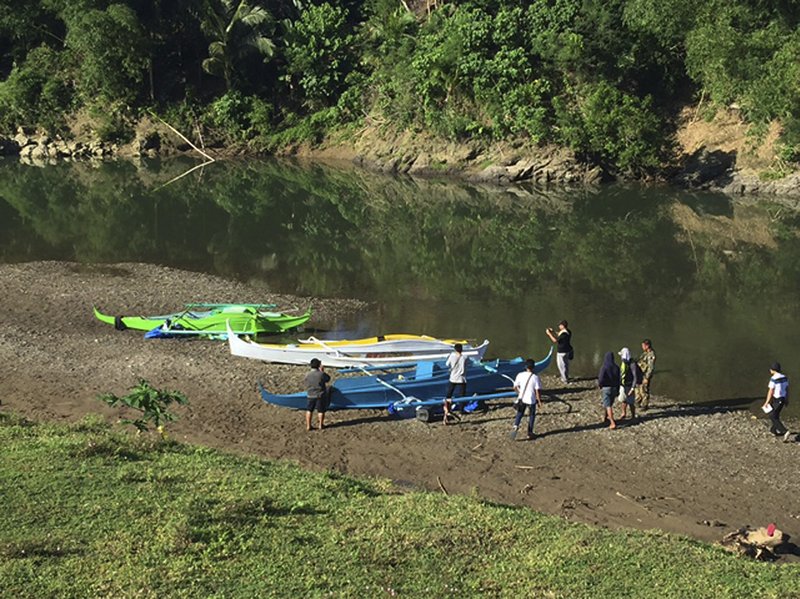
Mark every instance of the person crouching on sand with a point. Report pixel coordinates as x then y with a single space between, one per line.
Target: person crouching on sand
316 389
608 381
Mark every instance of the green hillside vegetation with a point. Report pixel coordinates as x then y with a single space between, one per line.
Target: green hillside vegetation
92 512
605 78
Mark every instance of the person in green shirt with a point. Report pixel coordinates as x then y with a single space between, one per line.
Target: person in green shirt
647 363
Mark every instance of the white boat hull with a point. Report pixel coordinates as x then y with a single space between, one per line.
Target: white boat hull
382 353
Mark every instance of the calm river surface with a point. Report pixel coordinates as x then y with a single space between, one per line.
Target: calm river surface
712 281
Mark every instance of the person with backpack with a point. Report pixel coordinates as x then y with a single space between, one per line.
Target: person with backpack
528 387
630 376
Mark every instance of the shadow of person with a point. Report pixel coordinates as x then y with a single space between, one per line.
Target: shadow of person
720 406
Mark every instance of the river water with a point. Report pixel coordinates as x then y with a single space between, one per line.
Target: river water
712 281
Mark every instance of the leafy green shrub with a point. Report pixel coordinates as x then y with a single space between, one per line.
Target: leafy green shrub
184 115
789 145
111 48
230 114
387 40
473 72
113 122
319 53
239 117
308 129
151 402
37 92
615 126
747 54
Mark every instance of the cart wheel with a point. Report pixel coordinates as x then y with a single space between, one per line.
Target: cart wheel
424 414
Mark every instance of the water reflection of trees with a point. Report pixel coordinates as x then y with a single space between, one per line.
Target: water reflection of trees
325 231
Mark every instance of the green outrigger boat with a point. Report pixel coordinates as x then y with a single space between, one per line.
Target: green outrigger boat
210 320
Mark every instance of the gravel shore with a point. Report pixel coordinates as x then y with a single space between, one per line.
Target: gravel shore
696 470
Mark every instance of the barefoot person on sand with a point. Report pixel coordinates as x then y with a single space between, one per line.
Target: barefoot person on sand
608 381
317 392
457 363
777 398
528 386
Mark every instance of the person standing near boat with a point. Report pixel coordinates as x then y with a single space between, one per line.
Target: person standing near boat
528 386
630 376
608 381
647 364
564 351
316 382
777 398
457 363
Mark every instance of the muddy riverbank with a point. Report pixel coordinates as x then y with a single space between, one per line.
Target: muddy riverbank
697 470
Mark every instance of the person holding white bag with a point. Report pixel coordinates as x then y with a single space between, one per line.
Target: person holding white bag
777 398
630 376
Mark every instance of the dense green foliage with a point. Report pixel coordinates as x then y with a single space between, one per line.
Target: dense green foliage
603 77
90 512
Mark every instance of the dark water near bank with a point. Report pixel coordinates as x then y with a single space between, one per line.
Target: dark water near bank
713 282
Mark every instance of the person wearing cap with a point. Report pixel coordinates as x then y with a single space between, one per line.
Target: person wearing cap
564 351
457 363
528 387
630 376
317 392
777 398
647 364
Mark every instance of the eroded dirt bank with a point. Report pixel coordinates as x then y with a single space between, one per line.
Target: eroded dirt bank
700 471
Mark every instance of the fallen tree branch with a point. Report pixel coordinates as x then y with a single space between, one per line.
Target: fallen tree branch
208 157
634 502
441 486
194 168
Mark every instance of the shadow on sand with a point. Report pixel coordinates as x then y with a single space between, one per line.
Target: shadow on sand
721 406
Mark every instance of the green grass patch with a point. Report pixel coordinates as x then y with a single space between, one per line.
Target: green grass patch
88 512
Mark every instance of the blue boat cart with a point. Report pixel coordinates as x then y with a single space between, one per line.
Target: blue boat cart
426 410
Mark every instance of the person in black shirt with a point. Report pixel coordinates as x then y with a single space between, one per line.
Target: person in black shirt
564 352
317 392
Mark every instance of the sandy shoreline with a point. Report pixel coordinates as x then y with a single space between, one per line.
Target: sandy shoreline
696 470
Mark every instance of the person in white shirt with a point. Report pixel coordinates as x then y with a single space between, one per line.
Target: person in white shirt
457 363
777 398
528 387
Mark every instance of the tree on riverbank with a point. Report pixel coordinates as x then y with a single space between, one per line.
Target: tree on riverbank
605 79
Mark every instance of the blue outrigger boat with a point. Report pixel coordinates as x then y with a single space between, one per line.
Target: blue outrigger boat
425 384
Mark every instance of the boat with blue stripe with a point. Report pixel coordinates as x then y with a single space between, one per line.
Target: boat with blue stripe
426 381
